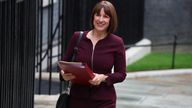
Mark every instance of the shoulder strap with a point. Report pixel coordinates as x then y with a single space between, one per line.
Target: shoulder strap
68 84
76 46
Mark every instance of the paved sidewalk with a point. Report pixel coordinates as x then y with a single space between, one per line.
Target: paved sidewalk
170 89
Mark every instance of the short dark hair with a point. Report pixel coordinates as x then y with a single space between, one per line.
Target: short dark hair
109 9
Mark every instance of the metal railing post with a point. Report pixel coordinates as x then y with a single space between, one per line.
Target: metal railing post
174 51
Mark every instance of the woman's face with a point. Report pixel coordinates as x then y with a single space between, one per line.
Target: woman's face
101 21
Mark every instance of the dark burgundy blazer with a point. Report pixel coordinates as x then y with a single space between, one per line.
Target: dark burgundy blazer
108 52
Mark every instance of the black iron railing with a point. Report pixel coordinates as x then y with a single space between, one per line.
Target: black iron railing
48 40
174 44
17 53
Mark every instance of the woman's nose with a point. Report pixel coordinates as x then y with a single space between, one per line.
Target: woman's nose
100 18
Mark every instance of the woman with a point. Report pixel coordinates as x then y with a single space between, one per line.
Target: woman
102 51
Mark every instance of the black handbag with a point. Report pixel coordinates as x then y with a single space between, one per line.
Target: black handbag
63 100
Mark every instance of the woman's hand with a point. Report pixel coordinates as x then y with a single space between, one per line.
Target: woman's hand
98 79
67 76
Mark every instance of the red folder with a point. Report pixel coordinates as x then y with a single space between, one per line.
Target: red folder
81 71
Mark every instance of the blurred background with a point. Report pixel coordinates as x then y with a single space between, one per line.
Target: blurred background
34 35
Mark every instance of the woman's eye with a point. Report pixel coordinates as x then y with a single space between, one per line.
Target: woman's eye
97 14
106 16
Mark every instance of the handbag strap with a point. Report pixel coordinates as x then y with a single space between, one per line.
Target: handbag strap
73 57
68 83
76 47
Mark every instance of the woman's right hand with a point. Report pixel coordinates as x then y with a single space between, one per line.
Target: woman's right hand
67 76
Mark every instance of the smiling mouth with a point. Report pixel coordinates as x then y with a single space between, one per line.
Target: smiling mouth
100 25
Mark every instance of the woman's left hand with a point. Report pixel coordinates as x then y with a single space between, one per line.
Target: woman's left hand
98 79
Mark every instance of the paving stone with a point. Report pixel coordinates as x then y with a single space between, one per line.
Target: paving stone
146 92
